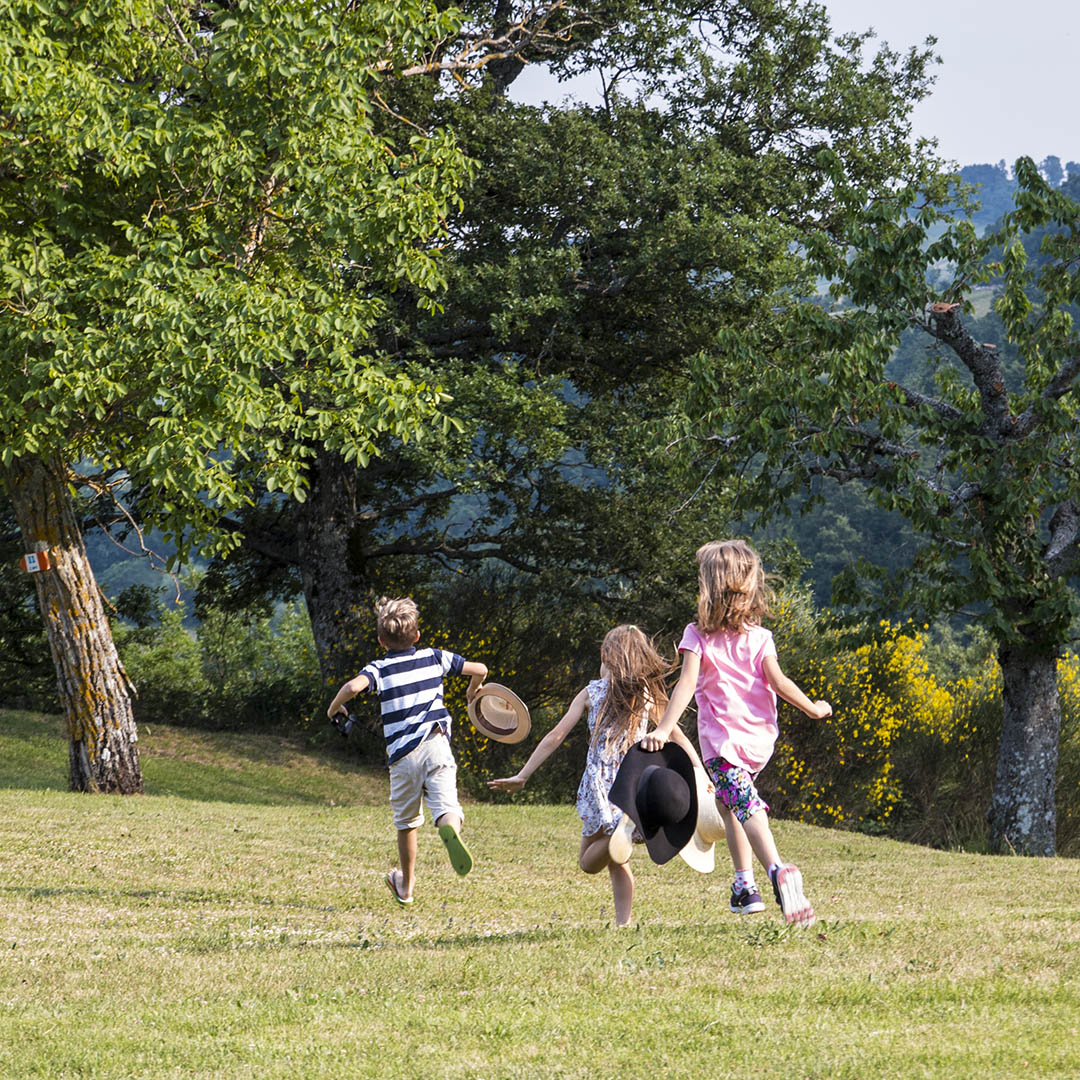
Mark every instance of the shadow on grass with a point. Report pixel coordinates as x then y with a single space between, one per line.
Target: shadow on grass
236 767
164 897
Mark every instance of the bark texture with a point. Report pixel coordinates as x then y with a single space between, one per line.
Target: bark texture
333 584
1022 815
93 687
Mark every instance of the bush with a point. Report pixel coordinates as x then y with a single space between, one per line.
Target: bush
911 748
231 670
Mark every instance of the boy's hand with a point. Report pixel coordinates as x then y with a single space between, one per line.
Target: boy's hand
474 685
512 784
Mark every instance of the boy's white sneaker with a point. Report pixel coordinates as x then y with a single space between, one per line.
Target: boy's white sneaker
621 842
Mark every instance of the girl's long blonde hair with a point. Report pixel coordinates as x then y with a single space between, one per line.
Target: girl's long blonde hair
635 674
733 591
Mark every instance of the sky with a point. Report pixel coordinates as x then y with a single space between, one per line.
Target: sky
1007 84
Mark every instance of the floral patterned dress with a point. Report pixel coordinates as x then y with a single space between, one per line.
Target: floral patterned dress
596 813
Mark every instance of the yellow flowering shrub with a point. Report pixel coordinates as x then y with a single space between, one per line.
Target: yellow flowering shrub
1068 785
894 720
911 747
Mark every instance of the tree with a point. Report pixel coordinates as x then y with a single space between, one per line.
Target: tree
596 249
199 218
1052 170
986 472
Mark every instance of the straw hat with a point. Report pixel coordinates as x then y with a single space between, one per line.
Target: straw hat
700 853
499 713
657 791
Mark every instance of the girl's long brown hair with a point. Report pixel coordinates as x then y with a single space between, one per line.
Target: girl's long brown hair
636 674
733 591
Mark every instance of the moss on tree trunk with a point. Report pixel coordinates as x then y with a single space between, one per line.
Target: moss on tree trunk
92 684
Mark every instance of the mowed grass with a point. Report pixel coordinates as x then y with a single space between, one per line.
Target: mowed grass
234 923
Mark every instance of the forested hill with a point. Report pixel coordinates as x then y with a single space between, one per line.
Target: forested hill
996 185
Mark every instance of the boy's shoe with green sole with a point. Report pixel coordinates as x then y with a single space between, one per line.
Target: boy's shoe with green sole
460 859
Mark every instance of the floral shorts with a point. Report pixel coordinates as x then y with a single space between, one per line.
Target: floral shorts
735 788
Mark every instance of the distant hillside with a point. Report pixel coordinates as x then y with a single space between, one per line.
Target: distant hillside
997 186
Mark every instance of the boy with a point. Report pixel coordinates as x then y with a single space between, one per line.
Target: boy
416 725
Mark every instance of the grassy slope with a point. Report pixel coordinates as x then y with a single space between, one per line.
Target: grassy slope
234 923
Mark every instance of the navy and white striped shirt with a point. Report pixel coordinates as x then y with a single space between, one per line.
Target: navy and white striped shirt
410 688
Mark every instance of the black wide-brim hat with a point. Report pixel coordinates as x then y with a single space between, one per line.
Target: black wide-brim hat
657 789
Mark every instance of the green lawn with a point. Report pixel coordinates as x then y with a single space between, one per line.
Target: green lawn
233 923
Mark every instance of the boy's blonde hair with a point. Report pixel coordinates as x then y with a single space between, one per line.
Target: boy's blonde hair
733 591
397 621
636 674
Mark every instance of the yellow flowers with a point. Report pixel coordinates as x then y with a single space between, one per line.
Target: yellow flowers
886 702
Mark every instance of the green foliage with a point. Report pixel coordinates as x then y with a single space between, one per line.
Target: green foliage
27 676
595 250
235 670
977 468
196 207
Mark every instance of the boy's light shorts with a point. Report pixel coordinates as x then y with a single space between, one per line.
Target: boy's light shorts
428 772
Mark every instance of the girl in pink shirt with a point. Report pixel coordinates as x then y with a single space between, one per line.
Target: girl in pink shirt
730 666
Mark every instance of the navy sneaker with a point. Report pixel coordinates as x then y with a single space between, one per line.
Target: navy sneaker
787 888
746 902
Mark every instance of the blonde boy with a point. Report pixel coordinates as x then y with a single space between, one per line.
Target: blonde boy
416 726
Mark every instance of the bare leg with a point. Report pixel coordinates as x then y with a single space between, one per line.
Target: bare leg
406 846
793 901
450 819
761 839
622 888
737 841
593 857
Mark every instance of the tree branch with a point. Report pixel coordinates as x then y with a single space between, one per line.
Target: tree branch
1064 549
981 361
942 408
1058 387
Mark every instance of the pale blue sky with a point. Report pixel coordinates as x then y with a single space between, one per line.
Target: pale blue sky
1008 84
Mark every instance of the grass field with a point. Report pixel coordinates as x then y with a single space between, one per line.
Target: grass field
233 923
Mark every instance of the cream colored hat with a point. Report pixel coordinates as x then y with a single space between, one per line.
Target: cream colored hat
499 713
700 853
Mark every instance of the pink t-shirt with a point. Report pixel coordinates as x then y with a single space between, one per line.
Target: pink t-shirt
736 704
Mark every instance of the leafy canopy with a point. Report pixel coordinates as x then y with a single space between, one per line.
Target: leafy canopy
982 463
201 212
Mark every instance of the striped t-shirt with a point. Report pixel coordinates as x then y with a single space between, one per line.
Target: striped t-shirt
410 688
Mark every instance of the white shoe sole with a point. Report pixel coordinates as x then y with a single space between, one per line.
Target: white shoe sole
793 902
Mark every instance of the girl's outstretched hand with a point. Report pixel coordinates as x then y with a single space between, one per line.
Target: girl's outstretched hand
821 710
652 741
513 784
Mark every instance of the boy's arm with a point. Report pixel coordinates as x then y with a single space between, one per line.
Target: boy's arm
546 746
478 672
680 698
347 692
790 692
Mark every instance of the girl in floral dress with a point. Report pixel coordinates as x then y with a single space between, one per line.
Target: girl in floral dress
619 705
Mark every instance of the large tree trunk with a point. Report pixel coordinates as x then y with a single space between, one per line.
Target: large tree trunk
334 589
104 750
1022 816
